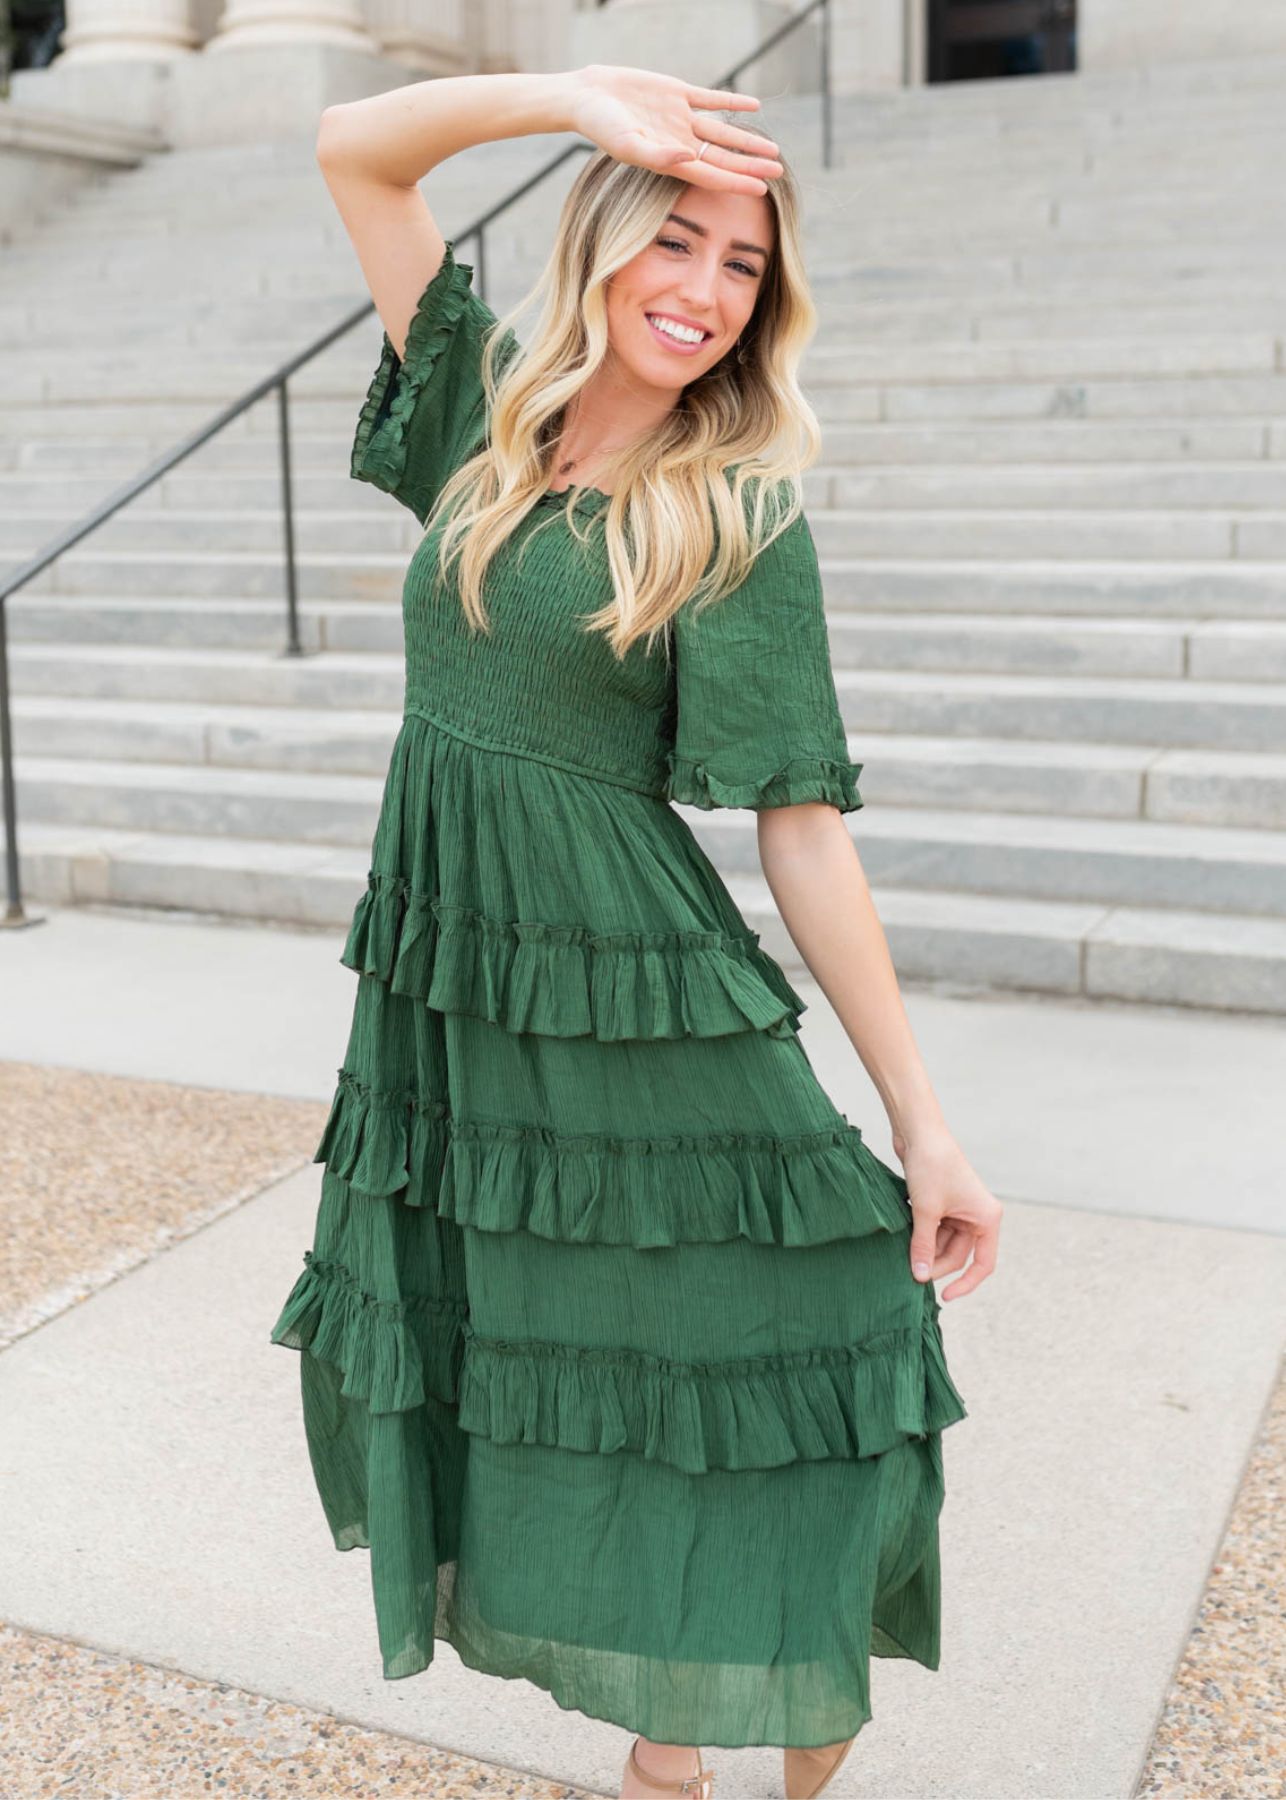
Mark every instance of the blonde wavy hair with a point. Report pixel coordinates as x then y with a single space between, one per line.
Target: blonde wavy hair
697 498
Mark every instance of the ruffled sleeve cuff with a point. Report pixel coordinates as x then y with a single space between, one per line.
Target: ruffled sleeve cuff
692 783
383 437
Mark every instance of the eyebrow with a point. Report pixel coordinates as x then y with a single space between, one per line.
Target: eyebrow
737 243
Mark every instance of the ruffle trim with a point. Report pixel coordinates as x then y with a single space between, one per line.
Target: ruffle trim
692 783
393 1353
566 980
852 1401
849 1402
810 1188
379 455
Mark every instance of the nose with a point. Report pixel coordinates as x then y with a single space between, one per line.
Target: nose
698 284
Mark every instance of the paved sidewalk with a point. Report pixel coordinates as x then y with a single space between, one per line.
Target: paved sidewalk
1117 1368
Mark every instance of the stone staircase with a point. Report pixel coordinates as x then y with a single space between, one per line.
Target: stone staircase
1051 513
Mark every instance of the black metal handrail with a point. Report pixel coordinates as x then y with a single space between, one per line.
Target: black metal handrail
16 578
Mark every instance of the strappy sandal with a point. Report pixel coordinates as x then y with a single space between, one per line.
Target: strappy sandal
693 1787
807 1772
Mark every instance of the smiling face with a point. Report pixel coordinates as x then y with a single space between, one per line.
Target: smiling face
700 277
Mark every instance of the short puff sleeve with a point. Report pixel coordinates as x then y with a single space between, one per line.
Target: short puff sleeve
425 415
758 721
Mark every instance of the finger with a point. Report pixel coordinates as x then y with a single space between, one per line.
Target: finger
705 172
734 173
924 1241
984 1261
953 1254
725 97
735 137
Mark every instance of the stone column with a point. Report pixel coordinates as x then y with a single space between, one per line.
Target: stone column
426 35
257 23
125 31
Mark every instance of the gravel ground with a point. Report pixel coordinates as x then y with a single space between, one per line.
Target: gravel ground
78 1725
1222 1734
97 1173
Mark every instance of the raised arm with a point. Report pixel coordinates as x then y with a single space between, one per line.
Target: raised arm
374 152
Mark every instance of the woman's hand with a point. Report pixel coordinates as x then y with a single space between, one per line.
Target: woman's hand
953 1211
649 120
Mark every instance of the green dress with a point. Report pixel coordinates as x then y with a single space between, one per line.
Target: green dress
612 1354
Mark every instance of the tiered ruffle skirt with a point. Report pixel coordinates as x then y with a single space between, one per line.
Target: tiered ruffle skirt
611 1352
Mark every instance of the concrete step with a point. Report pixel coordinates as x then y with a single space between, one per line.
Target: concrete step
999 533
975 643
272 321
291 739
1154 590
1193 487
1165 956
1056 442
1070 780
1173 956
159 531
1194 715
844 364
1135 124
306 807
1126 862
1102 225
1197 396
207 677
289 882
212 573
188 623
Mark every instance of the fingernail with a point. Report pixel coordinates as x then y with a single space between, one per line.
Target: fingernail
922 1269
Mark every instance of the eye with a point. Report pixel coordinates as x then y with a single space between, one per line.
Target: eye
678 244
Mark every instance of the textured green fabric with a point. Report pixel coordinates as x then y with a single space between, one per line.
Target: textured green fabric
611 1352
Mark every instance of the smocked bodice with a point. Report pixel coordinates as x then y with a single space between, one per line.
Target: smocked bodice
538 683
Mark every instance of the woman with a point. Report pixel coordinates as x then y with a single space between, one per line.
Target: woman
621 1348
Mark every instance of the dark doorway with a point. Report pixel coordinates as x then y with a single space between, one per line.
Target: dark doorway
974 40
30 30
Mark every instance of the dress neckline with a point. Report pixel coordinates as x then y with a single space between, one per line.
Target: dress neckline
584 494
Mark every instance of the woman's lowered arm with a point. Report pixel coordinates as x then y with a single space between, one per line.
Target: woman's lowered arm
817 881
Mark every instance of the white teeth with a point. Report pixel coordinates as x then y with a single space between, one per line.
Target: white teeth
684 333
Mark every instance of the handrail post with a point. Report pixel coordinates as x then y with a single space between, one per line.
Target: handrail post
293 645
13 908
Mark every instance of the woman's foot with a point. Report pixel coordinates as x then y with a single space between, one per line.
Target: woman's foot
664 1764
